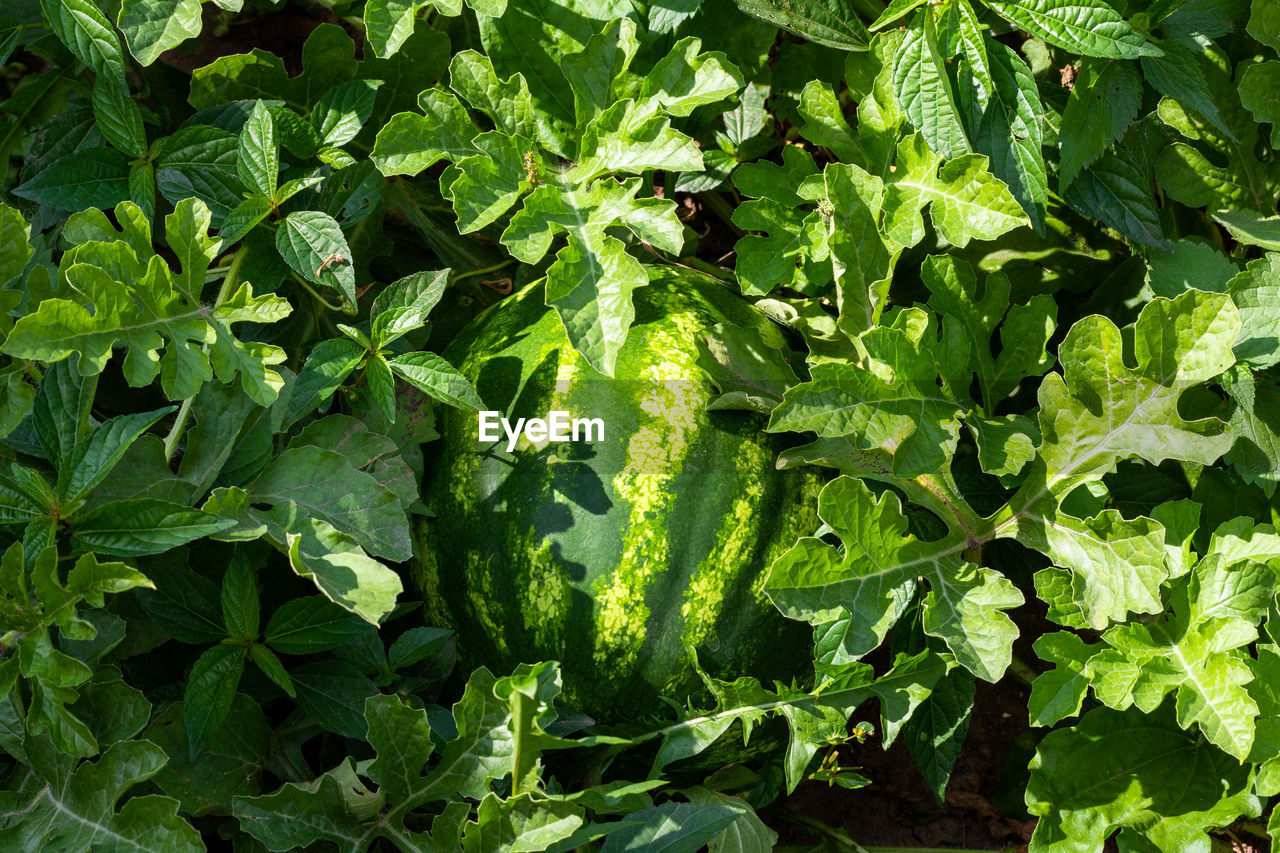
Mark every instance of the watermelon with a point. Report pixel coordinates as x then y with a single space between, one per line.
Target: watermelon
613 555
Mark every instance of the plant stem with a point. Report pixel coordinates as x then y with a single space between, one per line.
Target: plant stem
233 276
709 269
184 412
940 493
523 761
1253 827
822 828
1022 671
484 270
179 426
721 208
316 296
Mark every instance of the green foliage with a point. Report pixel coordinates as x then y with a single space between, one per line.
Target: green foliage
1138 773
499 727
32 608
398 310
834 23
621 125
1027 255
153 26
75 805
1195 650
137 302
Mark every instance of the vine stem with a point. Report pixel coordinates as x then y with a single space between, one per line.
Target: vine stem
720 208
945 495
184 412
317 297
484 270
710 269
1253 827
822 828
233 276
1022 671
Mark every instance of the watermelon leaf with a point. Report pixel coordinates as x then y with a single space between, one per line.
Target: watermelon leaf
817 719
137 302
334 560
1195 650
591 281
964 603
1105 754
33 602
85 796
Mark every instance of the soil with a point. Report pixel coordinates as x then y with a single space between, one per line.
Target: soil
898 809
984 807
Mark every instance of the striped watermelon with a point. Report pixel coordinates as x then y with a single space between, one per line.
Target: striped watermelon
610 556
